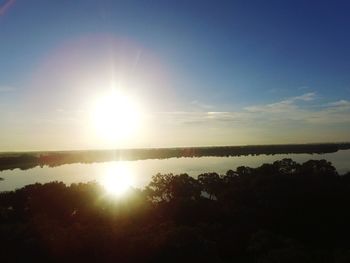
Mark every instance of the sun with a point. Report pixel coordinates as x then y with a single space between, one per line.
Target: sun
116 117
117 179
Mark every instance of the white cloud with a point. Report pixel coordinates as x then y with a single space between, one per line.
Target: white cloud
298 111
284 110
305 97
339 103
282 106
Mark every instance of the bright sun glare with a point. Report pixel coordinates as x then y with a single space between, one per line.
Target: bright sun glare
116 117
117 179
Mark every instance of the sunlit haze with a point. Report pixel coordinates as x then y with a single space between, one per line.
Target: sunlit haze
117 179
117 117
121 74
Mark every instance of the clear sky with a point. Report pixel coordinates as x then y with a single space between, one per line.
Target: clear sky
199 72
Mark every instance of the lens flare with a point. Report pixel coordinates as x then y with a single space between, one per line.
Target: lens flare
118 179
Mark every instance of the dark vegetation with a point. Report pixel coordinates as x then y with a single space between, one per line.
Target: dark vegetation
29 160
280 212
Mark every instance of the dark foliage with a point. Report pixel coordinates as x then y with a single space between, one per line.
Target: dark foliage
280 212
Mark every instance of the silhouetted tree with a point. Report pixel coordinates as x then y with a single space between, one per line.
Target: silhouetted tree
280 212
210 183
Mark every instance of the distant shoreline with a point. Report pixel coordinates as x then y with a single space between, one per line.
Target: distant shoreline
28 160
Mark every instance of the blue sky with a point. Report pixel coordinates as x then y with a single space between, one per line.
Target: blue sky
237 72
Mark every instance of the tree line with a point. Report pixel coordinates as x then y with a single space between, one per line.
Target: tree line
278 212
25 161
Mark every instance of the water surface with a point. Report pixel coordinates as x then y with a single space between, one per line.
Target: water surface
141 171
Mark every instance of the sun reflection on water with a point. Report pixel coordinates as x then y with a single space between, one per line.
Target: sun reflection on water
118 178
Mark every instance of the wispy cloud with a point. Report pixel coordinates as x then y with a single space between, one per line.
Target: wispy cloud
331 113
339 103
201 105
282 106
302 109
305 97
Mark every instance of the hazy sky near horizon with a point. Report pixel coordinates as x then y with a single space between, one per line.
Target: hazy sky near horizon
204 72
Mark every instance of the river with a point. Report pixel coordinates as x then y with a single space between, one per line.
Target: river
139 173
